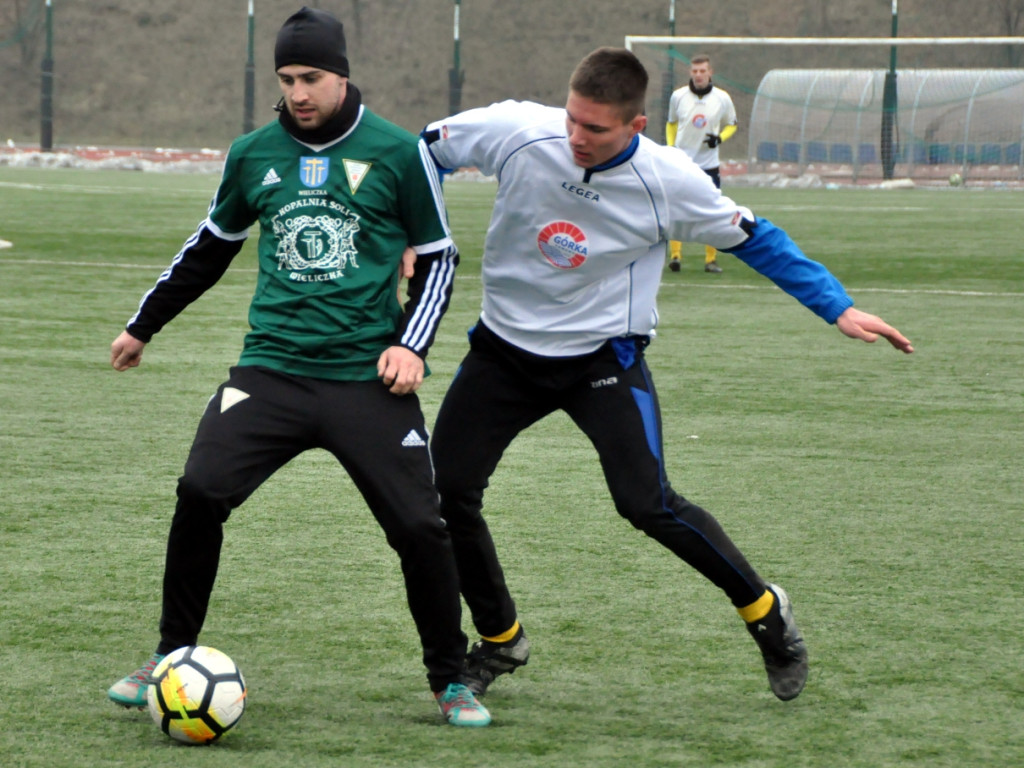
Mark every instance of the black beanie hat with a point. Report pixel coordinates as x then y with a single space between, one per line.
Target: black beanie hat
313 38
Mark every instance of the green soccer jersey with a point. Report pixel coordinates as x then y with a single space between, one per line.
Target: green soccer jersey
333 221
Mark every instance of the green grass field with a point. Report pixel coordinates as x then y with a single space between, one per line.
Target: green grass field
883 491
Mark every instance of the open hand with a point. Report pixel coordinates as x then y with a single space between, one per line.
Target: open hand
867 327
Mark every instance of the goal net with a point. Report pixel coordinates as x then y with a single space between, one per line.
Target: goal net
858 109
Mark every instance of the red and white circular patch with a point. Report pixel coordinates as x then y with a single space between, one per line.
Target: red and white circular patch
563 244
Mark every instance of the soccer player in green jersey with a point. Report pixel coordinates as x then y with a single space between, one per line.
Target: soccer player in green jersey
332 360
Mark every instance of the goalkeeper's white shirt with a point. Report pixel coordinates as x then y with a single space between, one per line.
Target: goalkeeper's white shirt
573 256
697 116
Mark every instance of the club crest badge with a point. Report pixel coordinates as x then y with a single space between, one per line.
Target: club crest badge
355 172
321 242
313 170
563 244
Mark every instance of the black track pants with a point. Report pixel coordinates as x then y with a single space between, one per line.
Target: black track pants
498 392
258 421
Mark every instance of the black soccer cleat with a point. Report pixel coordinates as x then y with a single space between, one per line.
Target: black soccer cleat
782 646
486 660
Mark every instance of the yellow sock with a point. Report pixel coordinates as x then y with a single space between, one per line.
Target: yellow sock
709 254
675 249
504 637
758 609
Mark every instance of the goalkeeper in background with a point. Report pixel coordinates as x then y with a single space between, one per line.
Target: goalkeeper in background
700 117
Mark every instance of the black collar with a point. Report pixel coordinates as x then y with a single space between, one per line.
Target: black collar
341 122
702 92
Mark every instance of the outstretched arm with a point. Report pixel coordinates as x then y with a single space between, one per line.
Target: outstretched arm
770 251
867 327
197 267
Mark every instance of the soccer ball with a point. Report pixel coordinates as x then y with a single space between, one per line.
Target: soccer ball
197 694
955 180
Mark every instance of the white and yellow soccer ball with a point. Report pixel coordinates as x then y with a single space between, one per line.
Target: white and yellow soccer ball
955 180
197 694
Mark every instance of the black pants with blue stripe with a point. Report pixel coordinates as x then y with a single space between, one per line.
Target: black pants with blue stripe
498 392
258 421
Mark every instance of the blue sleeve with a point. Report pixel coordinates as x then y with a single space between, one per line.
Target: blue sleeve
770 251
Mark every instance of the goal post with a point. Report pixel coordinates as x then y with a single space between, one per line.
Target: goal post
860 107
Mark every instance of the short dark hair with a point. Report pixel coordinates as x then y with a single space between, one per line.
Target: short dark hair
612 76
701 58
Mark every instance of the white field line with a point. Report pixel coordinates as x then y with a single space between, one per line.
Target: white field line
207 191
97 190
908 291
156 269
867 208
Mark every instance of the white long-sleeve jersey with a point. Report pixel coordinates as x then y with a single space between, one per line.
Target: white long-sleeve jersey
573 256
697 116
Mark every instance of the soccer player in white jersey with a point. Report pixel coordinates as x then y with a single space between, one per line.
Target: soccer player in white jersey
571 266
700 117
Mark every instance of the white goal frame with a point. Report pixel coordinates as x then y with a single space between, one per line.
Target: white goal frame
899 42
697 42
